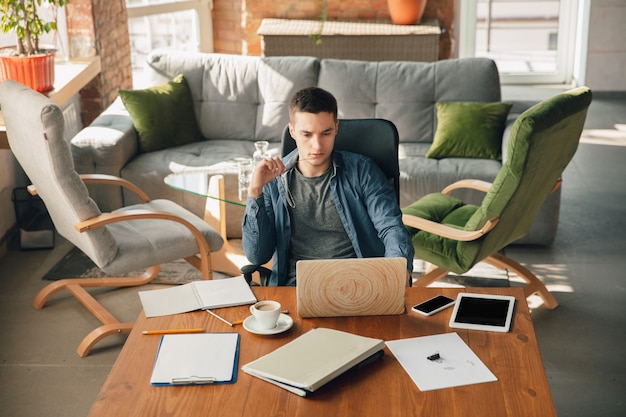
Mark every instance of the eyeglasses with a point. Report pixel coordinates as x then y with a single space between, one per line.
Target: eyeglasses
290 200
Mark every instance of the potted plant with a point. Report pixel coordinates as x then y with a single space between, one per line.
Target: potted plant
406 12
28 62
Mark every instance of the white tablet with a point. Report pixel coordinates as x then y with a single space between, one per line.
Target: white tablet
483 312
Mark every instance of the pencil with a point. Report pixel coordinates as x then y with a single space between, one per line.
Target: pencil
173 331
217 316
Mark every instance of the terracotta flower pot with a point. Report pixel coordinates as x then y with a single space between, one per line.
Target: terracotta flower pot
35 71
406 12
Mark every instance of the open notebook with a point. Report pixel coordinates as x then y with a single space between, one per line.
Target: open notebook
350 287
196 295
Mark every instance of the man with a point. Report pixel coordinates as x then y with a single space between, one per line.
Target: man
318 203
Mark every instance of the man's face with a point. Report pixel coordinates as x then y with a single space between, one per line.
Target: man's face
314 134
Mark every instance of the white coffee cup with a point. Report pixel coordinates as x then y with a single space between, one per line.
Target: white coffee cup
266 313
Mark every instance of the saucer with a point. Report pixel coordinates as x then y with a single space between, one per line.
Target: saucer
284 323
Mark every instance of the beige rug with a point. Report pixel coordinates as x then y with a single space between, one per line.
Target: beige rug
77 265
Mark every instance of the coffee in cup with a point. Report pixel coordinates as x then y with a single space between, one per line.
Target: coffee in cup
266 313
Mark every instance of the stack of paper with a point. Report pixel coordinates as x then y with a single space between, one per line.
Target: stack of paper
197 295
313 359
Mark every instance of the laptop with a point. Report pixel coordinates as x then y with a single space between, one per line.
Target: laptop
350 287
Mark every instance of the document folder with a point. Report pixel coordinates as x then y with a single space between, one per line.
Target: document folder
314 359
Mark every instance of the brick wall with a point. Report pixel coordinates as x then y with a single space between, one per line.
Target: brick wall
227 31
100 27
235 22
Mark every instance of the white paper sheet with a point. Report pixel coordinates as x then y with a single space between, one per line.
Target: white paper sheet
458 365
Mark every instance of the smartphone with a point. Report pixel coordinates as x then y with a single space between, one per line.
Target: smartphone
434 305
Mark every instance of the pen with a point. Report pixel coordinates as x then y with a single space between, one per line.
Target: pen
219 317
173 331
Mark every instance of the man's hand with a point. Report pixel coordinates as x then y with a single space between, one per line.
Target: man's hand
265 172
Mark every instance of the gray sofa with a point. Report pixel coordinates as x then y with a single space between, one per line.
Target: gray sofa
239 100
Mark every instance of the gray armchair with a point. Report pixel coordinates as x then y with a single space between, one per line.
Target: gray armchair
128 239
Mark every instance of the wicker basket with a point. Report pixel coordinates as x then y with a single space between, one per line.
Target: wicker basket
350 40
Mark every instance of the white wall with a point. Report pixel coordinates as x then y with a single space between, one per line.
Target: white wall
605 64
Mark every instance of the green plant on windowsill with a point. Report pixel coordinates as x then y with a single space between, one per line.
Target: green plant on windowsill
28 62
317 37
22 18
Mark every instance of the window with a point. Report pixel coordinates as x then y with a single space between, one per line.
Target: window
177 24
531 41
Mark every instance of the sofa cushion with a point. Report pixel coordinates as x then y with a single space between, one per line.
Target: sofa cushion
469 130
238 97
420 175
405 92
162 115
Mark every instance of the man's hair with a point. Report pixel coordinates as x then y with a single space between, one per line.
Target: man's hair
313 100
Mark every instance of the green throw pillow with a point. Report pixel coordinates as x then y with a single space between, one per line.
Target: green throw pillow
162 115
469 130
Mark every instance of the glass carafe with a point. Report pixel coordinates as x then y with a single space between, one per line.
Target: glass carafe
261 151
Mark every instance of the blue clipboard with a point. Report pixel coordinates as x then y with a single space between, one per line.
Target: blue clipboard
196 359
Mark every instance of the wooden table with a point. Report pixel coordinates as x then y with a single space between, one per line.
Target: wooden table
381 389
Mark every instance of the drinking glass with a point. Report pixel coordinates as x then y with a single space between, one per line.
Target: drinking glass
244 170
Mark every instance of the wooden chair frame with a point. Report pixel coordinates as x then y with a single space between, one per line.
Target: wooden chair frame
434 272
76 286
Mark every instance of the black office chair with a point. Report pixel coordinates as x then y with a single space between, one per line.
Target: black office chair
376 138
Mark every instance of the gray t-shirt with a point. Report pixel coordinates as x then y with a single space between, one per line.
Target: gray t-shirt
316 229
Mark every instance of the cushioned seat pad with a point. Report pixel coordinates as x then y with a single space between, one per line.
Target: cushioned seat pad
417 176
164 241
451 212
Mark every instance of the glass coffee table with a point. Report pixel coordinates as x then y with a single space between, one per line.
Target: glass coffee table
211 184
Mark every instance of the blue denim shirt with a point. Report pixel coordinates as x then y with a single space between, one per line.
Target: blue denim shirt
365 201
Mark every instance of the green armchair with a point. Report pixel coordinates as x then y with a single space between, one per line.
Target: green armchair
454 236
